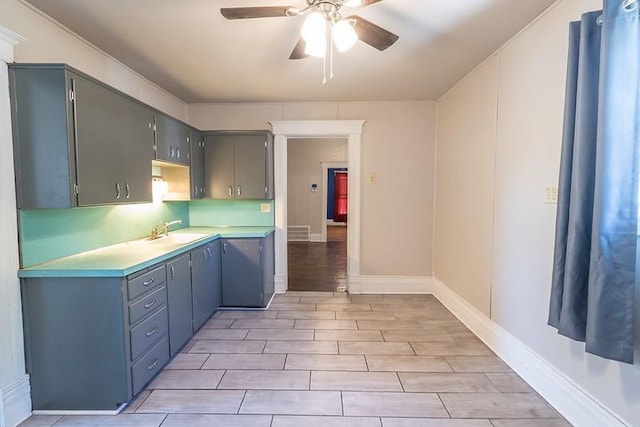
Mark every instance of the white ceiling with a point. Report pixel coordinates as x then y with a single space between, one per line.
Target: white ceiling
188 48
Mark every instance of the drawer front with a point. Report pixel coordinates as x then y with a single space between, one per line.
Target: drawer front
146 281
148 332
148 304
149 365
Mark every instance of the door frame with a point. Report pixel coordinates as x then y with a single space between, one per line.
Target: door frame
325 191
313 129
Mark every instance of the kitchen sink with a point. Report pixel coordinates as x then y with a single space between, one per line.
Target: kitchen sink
172 239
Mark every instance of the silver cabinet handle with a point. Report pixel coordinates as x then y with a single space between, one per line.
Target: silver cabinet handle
147 283
173 272
117 190
204 254
230 191
177 153
224 247
172 152
126 186
153 365
195 191
209 252
150 304
239 191
151 332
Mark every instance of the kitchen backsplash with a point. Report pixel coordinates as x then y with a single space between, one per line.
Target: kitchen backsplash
47 234
211 213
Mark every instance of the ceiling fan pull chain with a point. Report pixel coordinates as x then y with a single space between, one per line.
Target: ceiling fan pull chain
331 58
324 70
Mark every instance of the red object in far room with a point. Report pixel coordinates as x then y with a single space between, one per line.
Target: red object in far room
341 197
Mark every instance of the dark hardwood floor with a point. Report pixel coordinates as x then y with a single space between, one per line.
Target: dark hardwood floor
319 266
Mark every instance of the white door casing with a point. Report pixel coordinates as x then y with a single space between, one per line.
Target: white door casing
284 130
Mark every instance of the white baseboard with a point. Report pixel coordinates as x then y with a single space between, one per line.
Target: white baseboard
316 237
390 285
576 405
280 284
16 402
336 224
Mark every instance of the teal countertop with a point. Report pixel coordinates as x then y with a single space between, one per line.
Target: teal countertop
126 258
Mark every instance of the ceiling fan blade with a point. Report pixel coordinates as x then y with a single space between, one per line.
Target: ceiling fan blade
368 2
298 50
372 34
254 12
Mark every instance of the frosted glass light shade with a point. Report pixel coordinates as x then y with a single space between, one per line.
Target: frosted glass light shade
314 26
316 46
353 3
344 36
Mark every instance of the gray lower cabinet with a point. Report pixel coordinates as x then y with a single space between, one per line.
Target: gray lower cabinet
93 343
247 272
180 305
77 142
239 165
205 282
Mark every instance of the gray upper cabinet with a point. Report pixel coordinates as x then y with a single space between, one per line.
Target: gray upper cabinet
172 140
77 142
239 165
197 165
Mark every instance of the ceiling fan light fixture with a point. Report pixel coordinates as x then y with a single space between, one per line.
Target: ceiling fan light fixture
314 25
353 3
316 47
344 36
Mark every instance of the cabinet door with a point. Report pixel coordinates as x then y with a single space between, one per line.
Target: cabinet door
137 154
268 267
219 167
113 146
241 273
250 166
205 273
179 301
197 165
99 140
172 140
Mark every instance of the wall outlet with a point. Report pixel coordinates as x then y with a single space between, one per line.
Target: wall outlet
265 207
551 194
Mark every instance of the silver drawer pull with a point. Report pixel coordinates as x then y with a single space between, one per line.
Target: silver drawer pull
151 332
148 282
150 304
153 365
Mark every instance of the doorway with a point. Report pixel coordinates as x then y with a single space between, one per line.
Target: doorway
317 214
284 130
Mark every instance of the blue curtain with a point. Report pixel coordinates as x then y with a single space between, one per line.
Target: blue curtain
593 283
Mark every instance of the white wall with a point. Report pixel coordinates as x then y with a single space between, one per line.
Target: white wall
397 145
305 157
14 386
511 267
47 41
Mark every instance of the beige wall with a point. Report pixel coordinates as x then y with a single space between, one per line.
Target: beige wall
304 159
511 266
397 145
47 41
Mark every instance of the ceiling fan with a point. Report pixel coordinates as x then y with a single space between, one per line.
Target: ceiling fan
324 22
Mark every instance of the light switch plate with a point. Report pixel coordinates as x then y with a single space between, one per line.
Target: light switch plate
265 207
551 194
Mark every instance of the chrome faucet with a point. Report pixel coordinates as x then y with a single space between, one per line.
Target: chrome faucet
159 231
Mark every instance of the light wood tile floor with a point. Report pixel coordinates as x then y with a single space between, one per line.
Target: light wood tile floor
333 360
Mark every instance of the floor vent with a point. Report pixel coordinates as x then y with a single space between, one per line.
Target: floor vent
298 233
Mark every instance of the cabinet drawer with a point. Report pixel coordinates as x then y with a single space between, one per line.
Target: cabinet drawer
148 332
150 364
147 304
146 281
